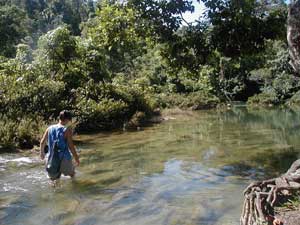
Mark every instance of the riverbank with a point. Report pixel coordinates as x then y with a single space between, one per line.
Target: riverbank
133 110
24 134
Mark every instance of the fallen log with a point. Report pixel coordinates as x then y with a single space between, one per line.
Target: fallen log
261 197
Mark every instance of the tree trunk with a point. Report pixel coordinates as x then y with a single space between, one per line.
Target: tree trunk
293 34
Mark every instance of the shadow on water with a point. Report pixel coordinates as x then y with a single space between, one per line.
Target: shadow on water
277 163
274 164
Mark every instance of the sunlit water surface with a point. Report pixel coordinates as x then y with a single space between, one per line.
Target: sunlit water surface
188 170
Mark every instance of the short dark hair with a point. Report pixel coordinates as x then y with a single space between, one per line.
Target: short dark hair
65 115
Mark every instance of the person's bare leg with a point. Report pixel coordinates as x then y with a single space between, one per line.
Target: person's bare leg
72 176
277 222
54 182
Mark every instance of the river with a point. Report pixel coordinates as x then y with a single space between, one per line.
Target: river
190 169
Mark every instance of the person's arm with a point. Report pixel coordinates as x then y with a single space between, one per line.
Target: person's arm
43 144
71 145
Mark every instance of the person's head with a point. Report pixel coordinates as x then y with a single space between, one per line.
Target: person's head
65 117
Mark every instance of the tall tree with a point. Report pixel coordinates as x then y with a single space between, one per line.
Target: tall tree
13 28
293 34
115 30
164 17
241 27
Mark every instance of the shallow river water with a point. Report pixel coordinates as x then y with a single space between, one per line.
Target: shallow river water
188 170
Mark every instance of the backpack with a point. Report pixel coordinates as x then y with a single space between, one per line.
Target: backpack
54 162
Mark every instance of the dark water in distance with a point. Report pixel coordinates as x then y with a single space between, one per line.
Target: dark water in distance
188 170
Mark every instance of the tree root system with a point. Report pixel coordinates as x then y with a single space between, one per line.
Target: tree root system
261 197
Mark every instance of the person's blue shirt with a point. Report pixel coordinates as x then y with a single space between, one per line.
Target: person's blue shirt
57 132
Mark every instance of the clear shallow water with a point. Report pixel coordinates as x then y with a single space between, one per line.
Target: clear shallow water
191 170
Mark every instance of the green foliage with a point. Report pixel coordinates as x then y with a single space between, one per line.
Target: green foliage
241 27
275 76
24 54
275 61
60 58
108 106
150 69
25 94
7 134
114 31
160 19
58 47
199 81
264 99
21 133
196 101
138 119
92 62
294 100
188 48
107 113
13 28
232 77
186 81
43 15
114 64
113 27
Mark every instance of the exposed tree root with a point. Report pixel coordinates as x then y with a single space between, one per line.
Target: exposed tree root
261 197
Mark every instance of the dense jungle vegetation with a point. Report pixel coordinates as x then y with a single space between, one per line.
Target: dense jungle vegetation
116 62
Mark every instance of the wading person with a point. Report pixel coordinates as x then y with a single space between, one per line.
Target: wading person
60 147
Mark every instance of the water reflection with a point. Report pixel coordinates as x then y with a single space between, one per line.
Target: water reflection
191 170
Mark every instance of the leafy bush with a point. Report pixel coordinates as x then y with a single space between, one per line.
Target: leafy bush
138 119
294 100
285 85
109 106
275 76
7 134
196 81
21 133
107 113
29 132
264 99
195 101
25 95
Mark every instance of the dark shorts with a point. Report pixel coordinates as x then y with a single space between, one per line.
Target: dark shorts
66 168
